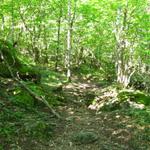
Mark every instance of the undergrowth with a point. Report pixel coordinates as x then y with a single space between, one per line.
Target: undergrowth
24 121
19 124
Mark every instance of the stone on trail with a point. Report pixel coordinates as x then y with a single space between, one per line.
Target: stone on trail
84 137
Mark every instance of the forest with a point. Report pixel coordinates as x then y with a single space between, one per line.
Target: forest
75 75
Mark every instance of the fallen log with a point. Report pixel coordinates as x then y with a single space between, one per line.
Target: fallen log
29 91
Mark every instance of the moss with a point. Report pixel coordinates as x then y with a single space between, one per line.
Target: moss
25 72
22 98
135 96
84 137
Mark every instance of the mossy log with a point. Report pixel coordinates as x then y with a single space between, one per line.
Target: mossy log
19 69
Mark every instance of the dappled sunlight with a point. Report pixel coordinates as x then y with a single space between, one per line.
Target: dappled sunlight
74 75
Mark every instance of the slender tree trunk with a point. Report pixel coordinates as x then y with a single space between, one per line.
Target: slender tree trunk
3 23
68 57
71 18
80 57
45 58
12 22
58 40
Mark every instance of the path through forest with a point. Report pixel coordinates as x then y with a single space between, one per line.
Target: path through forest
81 128
107 127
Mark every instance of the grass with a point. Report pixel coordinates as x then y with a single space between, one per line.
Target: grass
20 124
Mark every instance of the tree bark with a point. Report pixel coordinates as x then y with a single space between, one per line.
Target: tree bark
124 59
68 57
71 18
12 22
58 39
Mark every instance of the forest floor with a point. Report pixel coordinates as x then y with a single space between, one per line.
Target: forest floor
115 130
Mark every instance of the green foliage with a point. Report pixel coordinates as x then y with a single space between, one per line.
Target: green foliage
8 58
9 53
141 81
135 96
92 32
38 128
52 78
108 71
142 117
22 98
19 123
87 72
40 30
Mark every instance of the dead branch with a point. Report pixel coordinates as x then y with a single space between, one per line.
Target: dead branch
29 91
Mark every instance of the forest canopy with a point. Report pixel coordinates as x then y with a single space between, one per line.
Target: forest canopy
110 35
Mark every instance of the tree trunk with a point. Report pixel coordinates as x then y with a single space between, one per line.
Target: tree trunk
124 59
12 22
3 23
68 57
58 40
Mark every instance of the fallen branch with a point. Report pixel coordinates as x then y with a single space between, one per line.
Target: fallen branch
29 91
38 98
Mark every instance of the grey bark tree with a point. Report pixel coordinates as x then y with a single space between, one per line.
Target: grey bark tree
124 50
71 18
58 37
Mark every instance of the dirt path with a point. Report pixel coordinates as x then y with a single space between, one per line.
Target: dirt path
80 119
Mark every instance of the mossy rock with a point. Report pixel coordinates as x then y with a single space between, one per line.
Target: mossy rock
18 68
136 96
9 53
84 137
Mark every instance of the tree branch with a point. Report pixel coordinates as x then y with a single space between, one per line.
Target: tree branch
28 90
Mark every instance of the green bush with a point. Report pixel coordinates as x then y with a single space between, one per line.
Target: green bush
136 96
22 97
